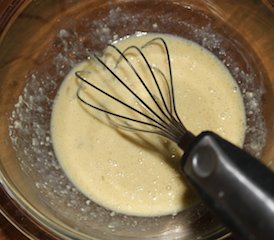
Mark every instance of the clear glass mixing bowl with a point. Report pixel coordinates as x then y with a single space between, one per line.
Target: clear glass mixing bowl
41 41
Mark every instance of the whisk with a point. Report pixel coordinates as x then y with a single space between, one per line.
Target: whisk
236 186
164 121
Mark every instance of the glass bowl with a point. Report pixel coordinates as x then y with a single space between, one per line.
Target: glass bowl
41 41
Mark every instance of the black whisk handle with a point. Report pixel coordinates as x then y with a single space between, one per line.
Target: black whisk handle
236 186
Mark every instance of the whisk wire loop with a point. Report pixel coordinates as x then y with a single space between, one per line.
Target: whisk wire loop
165 121
78 74
122 55
169 117
172 98
129 89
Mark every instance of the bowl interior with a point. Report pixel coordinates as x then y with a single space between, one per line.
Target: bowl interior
45 39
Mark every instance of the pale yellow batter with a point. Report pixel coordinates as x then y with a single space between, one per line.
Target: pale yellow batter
139 174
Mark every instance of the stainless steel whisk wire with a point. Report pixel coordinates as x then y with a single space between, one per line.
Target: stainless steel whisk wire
167 123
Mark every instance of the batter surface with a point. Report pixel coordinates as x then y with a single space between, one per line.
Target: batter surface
138 174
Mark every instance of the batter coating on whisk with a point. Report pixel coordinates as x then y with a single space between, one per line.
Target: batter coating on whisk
137 174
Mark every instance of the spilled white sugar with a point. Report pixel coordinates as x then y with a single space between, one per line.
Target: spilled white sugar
139 176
